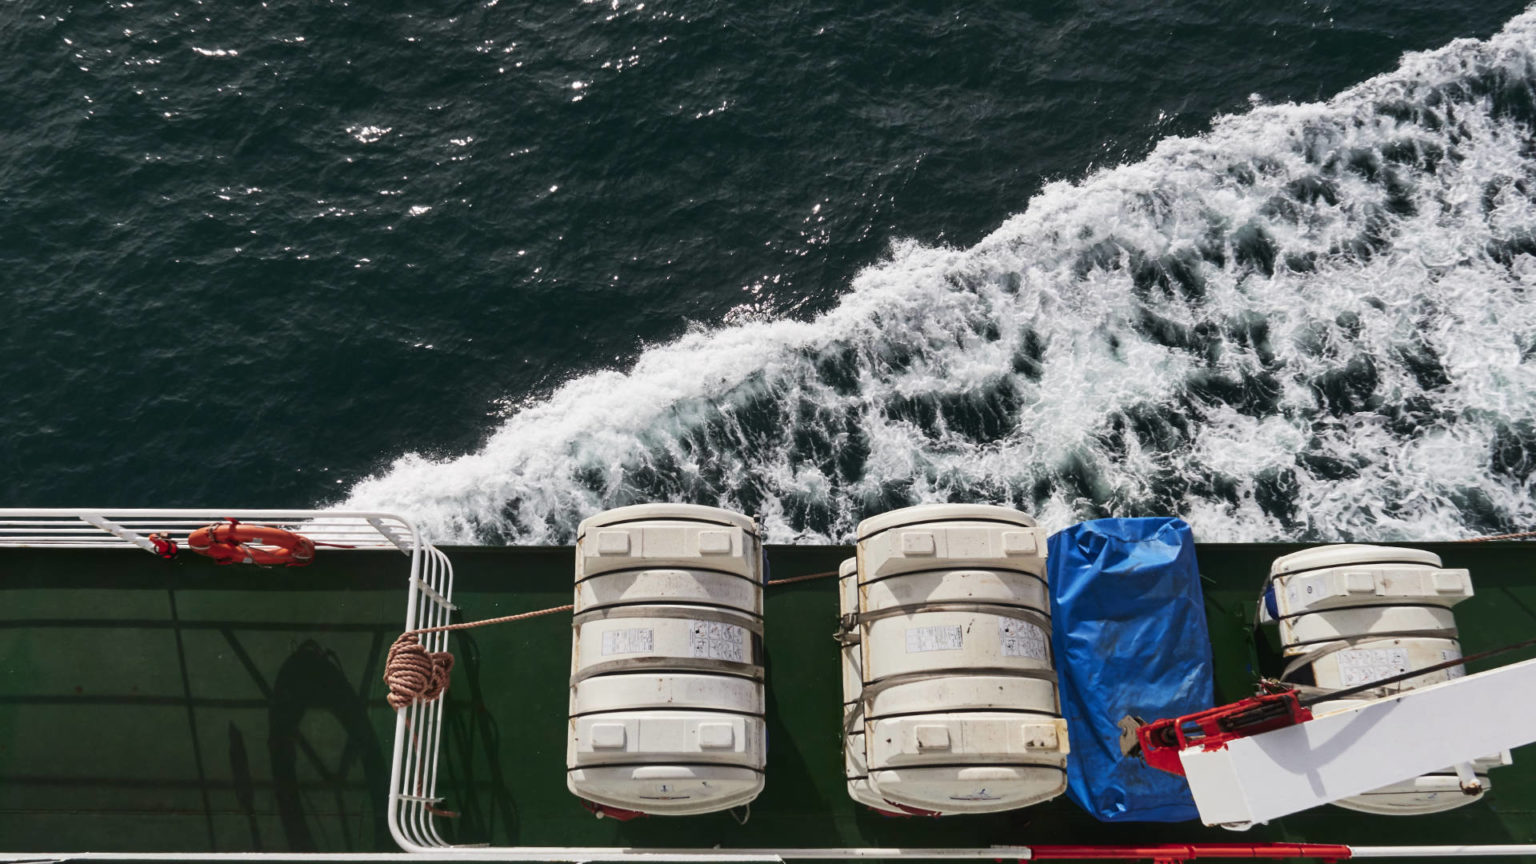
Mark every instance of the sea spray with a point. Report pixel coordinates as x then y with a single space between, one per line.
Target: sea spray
1313 322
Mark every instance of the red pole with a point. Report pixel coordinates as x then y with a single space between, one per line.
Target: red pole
1168 852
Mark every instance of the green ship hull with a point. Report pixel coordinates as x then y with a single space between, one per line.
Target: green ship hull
175 706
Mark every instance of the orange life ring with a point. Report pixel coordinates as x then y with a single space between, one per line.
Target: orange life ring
234 542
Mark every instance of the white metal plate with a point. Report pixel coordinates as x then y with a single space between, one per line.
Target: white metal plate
1349 752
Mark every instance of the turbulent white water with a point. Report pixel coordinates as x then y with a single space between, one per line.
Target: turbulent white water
1316 321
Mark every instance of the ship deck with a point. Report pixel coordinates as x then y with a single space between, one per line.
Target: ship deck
148 705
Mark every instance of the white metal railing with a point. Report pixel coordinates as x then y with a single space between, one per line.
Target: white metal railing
106 528
419 726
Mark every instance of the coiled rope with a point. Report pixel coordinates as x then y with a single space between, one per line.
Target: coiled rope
413 673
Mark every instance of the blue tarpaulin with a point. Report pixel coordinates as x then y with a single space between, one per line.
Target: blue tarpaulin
1128 631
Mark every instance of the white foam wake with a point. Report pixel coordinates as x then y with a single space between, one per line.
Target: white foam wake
1316 321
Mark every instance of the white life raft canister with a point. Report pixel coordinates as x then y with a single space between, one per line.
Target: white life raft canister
956 703
666 713
1351 614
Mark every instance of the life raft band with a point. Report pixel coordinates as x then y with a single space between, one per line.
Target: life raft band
233 542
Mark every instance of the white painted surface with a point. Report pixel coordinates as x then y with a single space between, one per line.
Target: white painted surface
1346 753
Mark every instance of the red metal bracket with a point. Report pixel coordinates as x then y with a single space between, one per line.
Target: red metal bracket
1161 740
1174 853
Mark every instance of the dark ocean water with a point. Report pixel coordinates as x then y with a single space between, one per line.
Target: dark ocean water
501 265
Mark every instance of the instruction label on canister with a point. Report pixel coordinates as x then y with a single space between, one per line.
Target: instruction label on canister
941 638
1363 665
713 640
638 640
1021 639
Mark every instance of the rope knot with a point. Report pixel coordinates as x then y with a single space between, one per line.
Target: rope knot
413 673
